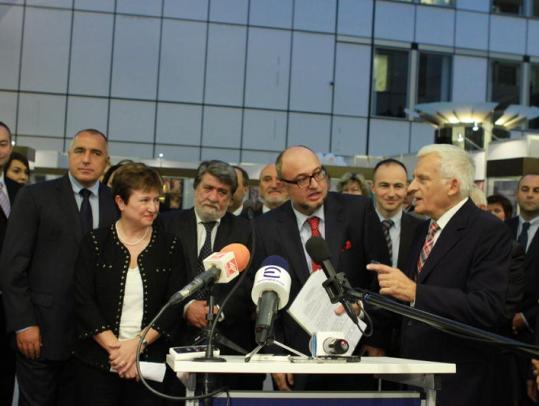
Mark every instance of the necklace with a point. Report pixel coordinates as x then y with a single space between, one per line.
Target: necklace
124 241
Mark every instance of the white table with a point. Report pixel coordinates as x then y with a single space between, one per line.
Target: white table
412 372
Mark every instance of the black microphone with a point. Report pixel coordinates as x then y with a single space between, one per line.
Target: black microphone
336 283
271 290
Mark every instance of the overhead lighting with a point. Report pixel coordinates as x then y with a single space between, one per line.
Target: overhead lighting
475 126
460 138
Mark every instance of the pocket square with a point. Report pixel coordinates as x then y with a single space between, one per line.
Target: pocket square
347 245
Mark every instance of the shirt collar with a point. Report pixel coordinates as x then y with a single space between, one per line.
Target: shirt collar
200 221
533 221
302 218
444 219
396 218
77 186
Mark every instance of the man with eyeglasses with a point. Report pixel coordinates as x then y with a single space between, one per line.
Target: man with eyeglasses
313 211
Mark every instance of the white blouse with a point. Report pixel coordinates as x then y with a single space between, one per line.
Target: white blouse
132 309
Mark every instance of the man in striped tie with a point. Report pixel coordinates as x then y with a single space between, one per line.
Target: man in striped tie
458 268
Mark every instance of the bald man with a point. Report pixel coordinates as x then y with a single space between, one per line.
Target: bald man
312 210
272 192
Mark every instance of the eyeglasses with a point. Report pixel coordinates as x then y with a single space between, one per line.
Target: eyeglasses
305 181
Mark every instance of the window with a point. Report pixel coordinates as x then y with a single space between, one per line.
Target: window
535 8
390 82
507 6
505 82
431 2
534 93
434 82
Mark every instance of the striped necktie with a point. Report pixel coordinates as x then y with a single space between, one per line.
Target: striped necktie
386 225
4 200
427 246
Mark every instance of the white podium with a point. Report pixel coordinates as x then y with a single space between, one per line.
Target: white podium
412 372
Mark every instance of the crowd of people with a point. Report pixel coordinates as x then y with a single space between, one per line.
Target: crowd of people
85 267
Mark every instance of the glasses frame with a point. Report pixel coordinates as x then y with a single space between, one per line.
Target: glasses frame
304 182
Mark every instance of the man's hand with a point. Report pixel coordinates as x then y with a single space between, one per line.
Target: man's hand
518 323
356 307
394 283
283 382
374 351
29 342
196 313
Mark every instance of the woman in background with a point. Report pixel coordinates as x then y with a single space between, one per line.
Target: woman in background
353 184
17 168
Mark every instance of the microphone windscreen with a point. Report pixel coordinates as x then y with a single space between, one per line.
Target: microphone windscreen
276 260
241 254
317 249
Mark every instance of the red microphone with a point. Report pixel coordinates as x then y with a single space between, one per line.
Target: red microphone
221 267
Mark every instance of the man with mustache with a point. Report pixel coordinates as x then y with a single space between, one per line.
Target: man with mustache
202 230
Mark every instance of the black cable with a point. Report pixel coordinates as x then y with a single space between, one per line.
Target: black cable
147 385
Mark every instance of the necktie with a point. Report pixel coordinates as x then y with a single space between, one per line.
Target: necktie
205 251
386 225
86 219
4 200
314 222
427 246
523 237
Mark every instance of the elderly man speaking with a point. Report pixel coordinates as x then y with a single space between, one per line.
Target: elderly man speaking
458 268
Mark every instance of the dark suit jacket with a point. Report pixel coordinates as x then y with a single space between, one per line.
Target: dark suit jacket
386 332
237 325
12 189
528 306
465 278
41 246
346 234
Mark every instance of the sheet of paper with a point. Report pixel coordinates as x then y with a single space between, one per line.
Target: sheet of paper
314 312
153 371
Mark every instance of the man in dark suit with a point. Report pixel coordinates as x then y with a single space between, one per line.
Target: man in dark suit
524 230
390 188
8 190
458 268
203 229
46 225
311 210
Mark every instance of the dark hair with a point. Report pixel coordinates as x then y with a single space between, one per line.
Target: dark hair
244 174
502 201
389 161
135 176
219 169
108 174
17 156
4 125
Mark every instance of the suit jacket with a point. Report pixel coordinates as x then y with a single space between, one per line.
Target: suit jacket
350 245
41 246
12 190
238 322
465 278
386 332
529 306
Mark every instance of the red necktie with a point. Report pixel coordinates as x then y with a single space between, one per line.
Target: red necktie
427 246
315 232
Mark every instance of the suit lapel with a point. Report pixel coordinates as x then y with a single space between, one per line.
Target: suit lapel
406 237
187 228
451 234
223 232
291 242
107 212
335 227
68 206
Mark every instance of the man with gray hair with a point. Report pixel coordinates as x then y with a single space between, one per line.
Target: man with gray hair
458 268
202 230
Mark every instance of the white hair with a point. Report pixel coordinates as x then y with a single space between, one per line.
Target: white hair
478 196
455 163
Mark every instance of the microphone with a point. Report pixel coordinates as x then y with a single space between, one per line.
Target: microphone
220 267
328 343
335 285
271 289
